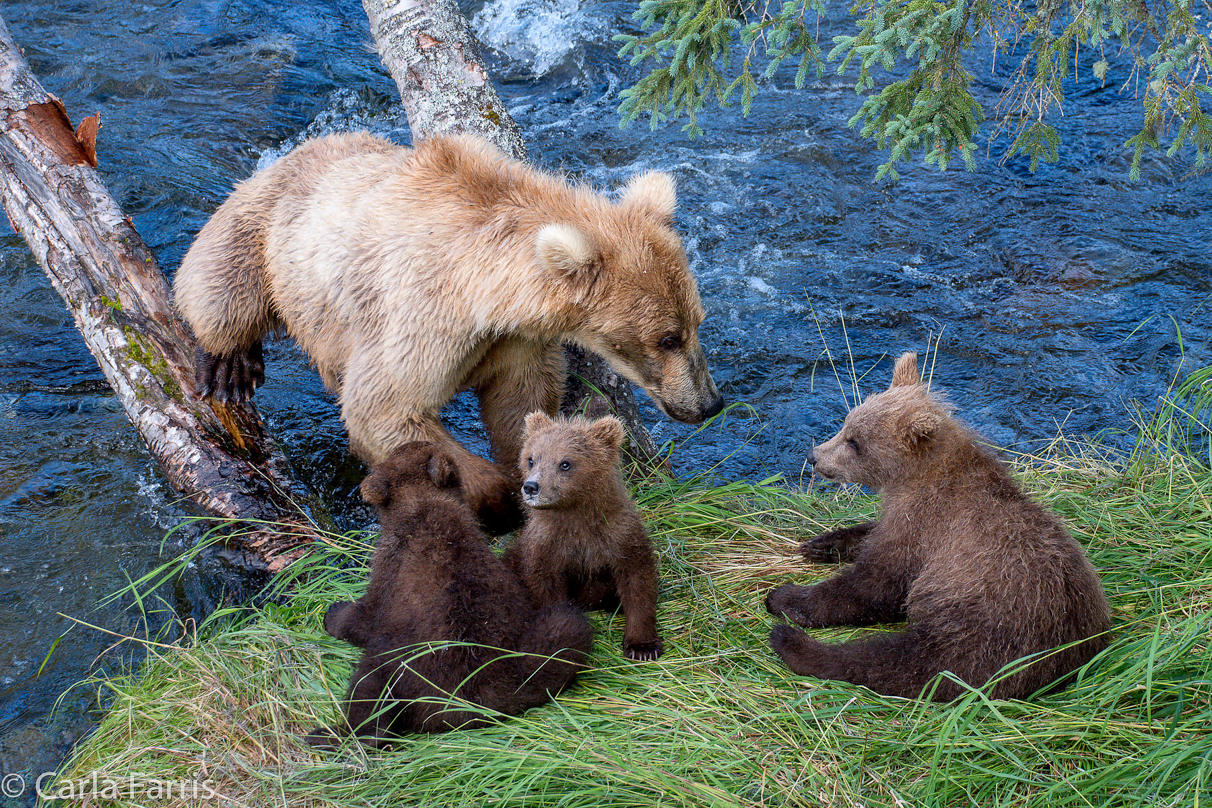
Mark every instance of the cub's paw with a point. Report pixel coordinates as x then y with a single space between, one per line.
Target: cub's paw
644 651
344 620
233 377
836 546
785 600
494 498
794 647
323 738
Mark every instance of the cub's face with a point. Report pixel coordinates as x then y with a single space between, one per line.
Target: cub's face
866 451
887 437
563 461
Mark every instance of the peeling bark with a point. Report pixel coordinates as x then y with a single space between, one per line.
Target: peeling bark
430 51
216 454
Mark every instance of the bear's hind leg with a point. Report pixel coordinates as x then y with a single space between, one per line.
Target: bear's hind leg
899 664
554 649
515 378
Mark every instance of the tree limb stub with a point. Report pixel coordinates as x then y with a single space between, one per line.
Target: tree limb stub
429 49
218 455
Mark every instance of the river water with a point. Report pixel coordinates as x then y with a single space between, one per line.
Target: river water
1054 300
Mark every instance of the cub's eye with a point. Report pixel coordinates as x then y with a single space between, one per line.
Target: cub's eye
670 342
854 446
565 465
530 462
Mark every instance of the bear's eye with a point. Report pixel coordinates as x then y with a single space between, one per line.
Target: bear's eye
565 465
854 445
530 462
670 342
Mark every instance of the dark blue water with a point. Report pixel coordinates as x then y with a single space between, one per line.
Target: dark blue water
1054 300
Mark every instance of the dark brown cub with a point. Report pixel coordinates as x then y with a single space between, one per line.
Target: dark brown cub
446 629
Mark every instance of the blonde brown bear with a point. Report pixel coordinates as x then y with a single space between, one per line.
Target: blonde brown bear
983 575
409 274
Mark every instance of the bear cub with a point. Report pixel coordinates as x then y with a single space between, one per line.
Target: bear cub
434 580
584 540
983 575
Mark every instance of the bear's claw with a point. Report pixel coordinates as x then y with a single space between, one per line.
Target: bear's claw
644 651
231 377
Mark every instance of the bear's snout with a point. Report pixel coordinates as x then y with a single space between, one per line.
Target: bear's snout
530 488
714 408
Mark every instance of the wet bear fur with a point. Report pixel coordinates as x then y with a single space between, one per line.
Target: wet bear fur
584 540
433 579
409 274
983 575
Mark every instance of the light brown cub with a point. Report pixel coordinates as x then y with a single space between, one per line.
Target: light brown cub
583 539
983 575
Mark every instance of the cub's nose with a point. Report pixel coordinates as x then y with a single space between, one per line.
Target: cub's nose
530 488
811 456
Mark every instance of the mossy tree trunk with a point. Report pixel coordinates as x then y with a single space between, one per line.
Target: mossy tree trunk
218 455
430 51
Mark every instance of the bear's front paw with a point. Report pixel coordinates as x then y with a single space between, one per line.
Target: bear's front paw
344 620
784 601
232 377
323 738
494 498
794 647
644 651
836 546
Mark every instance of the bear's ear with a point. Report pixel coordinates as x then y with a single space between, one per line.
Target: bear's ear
653 193
443 471
918 427
571 254
608 431
376 488
534 422
905 371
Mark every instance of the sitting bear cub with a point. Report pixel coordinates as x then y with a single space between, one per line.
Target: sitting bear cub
583 539
434 580
983 575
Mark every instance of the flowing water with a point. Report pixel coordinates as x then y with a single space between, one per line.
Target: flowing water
1054 300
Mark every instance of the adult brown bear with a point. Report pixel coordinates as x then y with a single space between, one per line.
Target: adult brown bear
409 274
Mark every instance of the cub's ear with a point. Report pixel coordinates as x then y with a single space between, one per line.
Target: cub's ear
654 193
608 431
905 371
571 254
917 427
534 422
376 488
443 471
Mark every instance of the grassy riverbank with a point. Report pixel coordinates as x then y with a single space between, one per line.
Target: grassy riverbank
718 720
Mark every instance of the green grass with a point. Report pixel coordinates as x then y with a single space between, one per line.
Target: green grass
719 720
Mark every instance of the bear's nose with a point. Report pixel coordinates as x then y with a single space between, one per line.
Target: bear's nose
530 488
811 455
